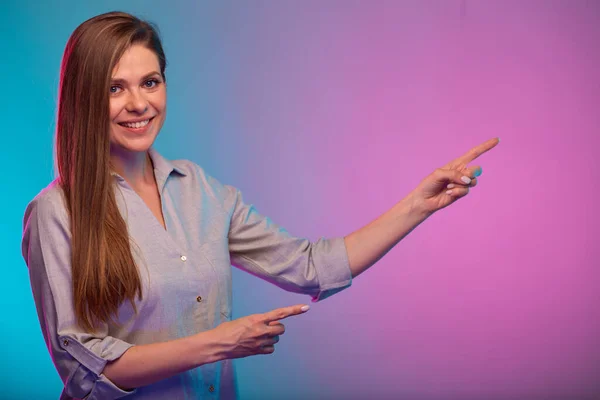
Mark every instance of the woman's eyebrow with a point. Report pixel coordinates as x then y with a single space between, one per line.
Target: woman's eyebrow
122 81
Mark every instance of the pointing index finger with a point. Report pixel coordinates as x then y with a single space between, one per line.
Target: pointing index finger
478 150
282 313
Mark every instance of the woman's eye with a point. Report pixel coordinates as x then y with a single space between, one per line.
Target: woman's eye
114 89
150 83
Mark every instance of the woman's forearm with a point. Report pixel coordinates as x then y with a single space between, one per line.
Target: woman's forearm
145 364
371 242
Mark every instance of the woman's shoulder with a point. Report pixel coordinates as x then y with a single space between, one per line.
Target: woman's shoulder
204 182
50 197
49 201
45 214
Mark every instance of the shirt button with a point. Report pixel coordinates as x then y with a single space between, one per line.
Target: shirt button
183 258
211 388
65 342
199 299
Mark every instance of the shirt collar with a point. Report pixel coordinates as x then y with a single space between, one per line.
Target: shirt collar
162 165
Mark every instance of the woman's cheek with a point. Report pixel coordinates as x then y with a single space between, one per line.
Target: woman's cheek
114 108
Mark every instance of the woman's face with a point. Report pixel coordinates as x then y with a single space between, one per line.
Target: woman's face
138 100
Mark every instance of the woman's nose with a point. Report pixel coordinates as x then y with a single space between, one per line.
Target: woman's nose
137 102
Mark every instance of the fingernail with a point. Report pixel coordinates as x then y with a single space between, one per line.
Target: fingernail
466 179
450 186
448 192
305 308
478 172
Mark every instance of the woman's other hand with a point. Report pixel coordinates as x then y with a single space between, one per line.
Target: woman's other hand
254 334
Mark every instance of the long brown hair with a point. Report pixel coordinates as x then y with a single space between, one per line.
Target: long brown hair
103 268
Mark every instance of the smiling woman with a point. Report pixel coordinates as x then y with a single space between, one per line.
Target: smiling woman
130 254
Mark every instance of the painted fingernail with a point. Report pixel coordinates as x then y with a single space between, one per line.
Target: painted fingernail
305 308
466 179
450 185
478 172
448 192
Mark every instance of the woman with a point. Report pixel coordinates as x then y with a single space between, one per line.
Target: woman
130 253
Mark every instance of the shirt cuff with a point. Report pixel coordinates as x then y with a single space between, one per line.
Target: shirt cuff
333 267
88 379
105 389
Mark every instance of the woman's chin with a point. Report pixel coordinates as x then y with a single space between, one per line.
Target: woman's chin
132 146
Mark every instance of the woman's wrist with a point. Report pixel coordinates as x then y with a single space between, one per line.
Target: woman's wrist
205 348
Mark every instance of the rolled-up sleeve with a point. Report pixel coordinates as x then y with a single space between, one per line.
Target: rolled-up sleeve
261 247
79 356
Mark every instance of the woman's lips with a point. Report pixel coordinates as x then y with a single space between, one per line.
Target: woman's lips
141 129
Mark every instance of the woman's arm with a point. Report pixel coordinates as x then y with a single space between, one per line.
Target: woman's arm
438 190
247 336
145 364
371 242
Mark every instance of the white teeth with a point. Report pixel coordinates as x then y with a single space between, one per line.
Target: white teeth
136 125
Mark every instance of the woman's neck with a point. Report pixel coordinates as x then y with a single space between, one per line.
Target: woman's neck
135 167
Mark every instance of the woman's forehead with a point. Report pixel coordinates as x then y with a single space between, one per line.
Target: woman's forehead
136 61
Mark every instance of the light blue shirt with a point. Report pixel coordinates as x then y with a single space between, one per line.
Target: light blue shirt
185 272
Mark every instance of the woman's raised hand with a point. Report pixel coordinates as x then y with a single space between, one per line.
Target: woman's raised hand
452 181
254 334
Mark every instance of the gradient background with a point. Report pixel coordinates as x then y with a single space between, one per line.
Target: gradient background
326 113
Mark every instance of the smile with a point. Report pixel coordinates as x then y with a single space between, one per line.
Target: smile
136 125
